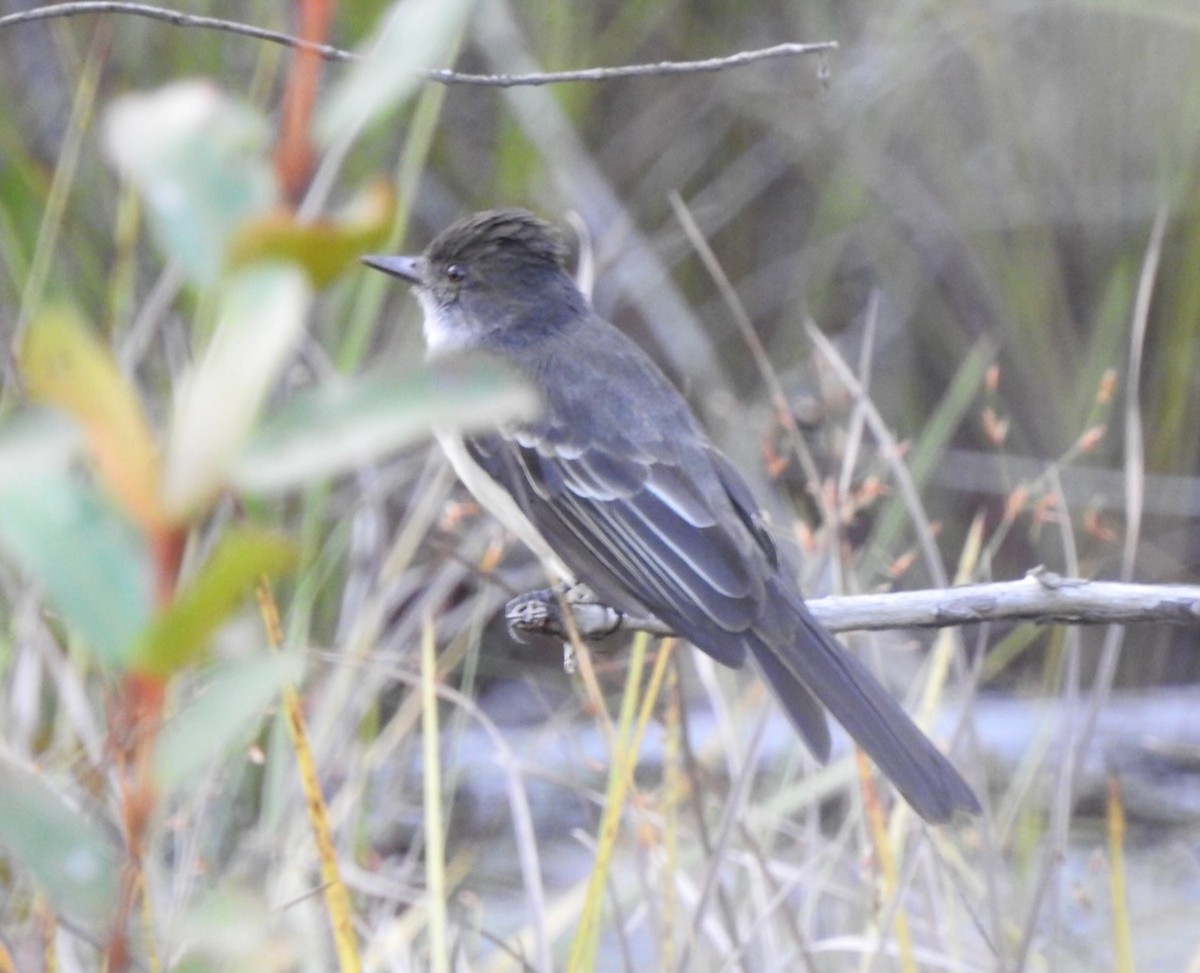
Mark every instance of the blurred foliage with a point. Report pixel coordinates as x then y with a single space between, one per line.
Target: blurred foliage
972 185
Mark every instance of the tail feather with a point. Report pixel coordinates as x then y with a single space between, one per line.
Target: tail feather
811 663
802 707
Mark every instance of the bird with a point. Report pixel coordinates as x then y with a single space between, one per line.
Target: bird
616 485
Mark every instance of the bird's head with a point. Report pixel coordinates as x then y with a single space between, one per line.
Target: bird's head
497 271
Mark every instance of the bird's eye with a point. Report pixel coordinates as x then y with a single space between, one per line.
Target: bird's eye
456 273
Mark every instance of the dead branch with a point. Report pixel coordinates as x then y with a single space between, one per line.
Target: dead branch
330 53
1041 596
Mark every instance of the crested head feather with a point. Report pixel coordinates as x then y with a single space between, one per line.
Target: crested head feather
506 233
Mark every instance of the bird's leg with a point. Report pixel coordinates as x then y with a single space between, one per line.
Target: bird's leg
541 612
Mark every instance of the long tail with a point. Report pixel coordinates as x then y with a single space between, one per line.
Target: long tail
811 663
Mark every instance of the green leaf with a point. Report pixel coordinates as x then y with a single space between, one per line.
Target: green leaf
416 36
35 442
182 632
325 248
90 561
199 160
222 717
260 322
233 930
72 857
344 426
65 365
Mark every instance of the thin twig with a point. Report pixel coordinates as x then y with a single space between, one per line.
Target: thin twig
176 19
1079 736
658 69
513 770
331 53
758 351
1041 596
858 420
889 449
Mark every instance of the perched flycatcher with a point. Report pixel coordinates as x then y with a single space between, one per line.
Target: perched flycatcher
617 486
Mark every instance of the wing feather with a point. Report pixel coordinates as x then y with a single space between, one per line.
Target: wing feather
642 532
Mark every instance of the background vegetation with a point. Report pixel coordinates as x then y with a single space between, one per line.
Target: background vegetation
968 199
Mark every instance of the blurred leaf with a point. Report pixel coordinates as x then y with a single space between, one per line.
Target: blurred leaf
225 715
72 857
234 931
417 36
324 248
92 564
23 184
35 442
198 157
930 448
344 426
182 631
65 365
259 325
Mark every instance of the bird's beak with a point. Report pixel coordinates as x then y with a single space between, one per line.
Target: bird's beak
406 268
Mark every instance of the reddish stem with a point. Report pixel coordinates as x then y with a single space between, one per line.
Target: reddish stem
136 715
294 153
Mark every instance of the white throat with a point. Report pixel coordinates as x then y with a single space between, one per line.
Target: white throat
443 332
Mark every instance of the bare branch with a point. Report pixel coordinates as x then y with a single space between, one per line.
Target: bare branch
738 60
330 53
177 19
1041 596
